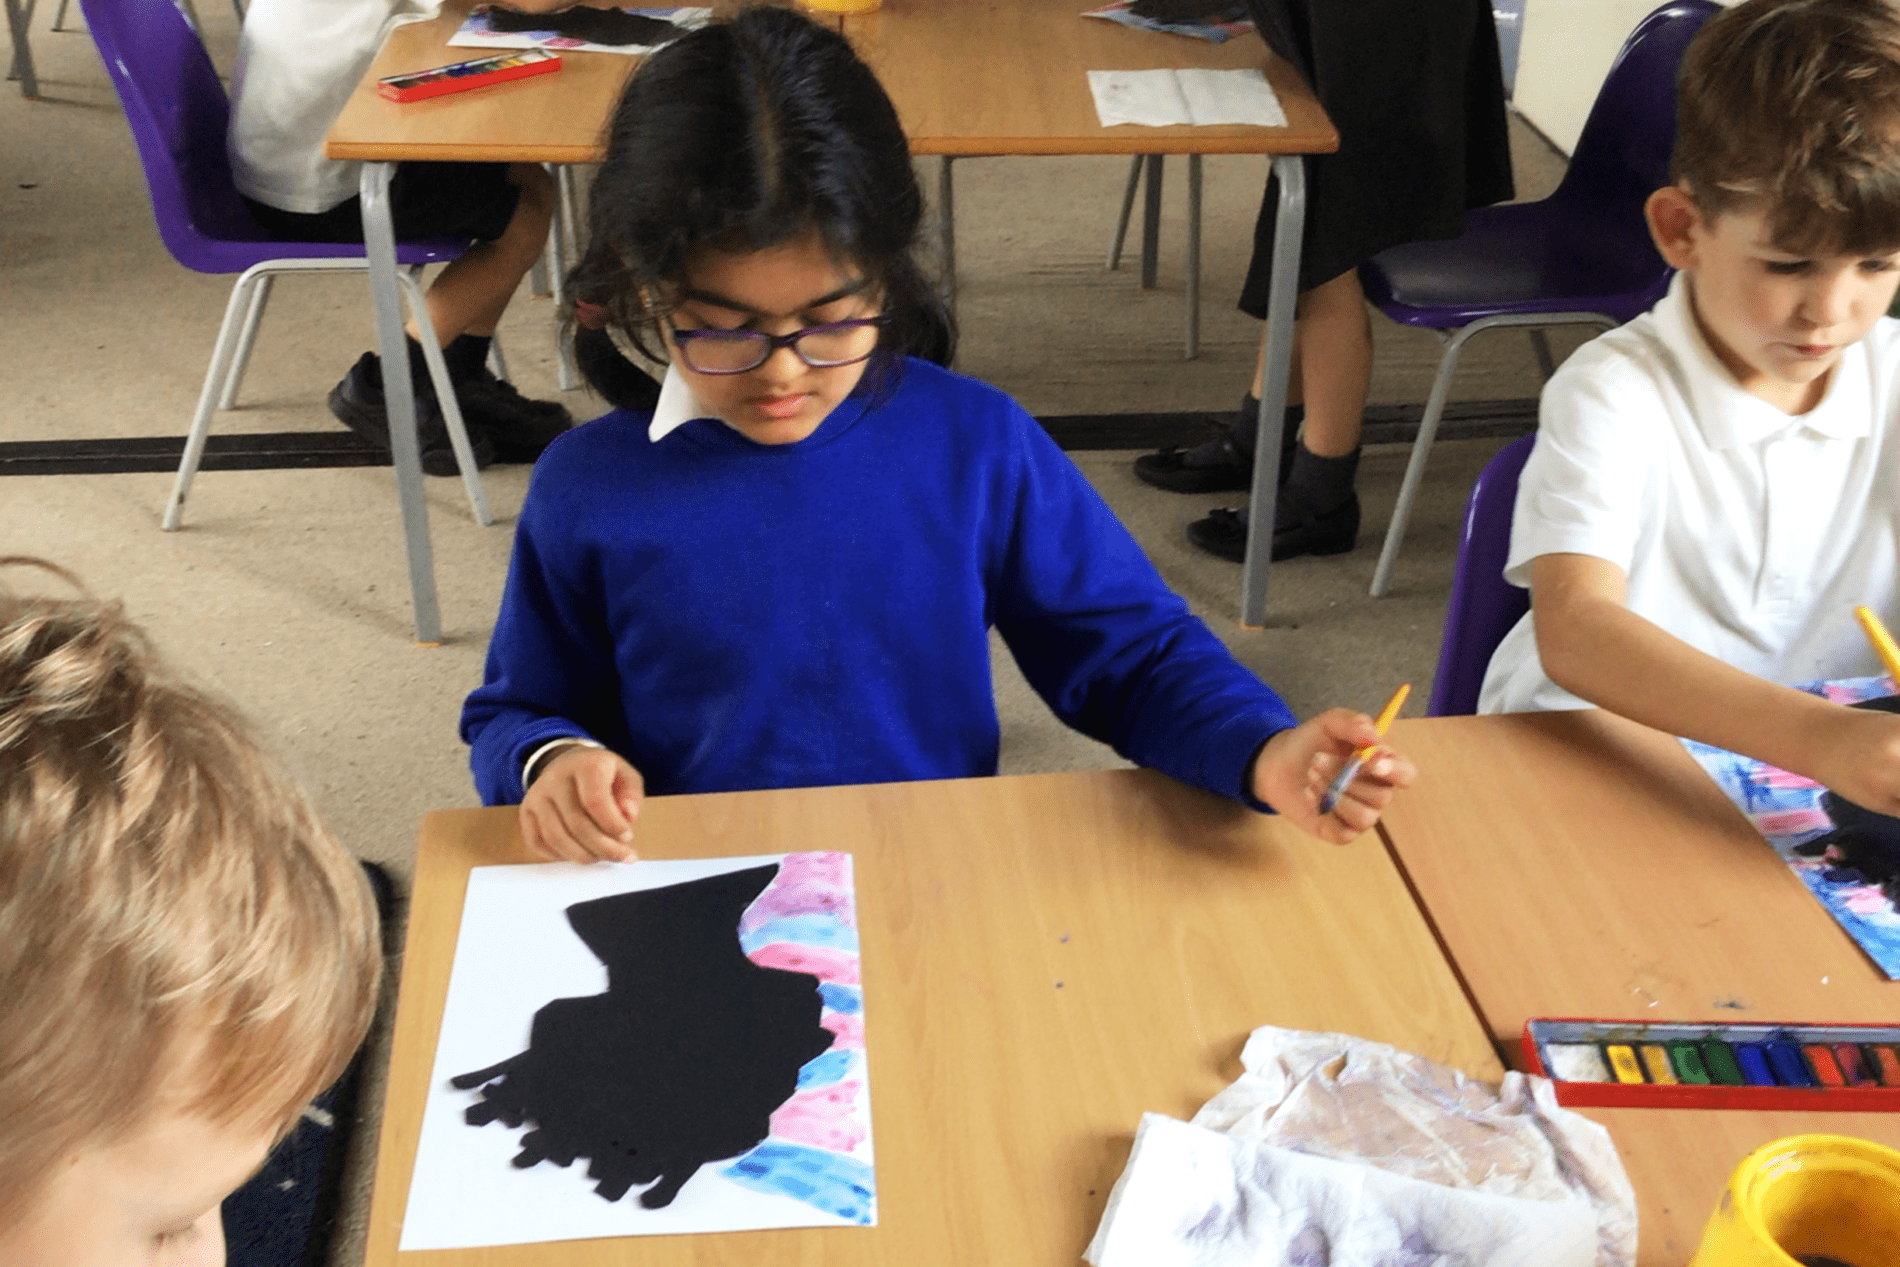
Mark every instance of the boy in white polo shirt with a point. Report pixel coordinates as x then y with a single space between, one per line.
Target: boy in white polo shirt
1715 485
298 62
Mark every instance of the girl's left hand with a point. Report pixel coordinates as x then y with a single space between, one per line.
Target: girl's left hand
1295 767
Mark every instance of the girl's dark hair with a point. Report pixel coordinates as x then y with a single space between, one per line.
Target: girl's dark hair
739 137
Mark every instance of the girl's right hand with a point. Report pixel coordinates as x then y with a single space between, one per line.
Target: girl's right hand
582 806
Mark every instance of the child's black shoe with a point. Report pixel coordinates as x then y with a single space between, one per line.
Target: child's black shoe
358 403
517 427
1214 467
1296 531
1224 463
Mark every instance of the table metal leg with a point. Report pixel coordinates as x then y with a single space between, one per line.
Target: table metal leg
1276 350
379 237
563 252
947 230
20 21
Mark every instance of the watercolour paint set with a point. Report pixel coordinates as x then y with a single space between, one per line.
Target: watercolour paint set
462 76
1718 1065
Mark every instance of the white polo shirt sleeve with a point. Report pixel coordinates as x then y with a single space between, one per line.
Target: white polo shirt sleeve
1586 488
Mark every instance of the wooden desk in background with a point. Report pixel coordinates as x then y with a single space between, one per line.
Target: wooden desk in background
1577 864
995 77
1045 958
968 77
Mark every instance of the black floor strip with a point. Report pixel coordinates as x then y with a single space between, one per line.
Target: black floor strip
1385 424
289 450
265 451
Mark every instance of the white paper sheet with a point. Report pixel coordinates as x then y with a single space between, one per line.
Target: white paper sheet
1165 98
516 952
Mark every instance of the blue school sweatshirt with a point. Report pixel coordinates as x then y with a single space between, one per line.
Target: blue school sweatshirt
730 615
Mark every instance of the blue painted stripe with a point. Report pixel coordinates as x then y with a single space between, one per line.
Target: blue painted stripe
824 931
848 999
832 1182
834 1066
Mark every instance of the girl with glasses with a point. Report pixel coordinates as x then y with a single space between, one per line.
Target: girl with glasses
784 572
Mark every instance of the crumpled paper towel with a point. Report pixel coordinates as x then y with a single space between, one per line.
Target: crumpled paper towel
1332 1151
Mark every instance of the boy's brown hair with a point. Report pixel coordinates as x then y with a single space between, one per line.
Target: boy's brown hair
1792 108
177 929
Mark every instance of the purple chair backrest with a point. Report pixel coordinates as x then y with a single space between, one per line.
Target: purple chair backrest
1622 155
179 115
1483 605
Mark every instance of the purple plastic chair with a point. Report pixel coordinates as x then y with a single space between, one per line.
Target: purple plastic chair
179 115
1483 605
1579 257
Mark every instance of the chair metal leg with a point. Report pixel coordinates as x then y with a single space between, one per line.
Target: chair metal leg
1194 258
253 314
947 230
20 22
229 334
1128 208
445 399
1435 409
1546 364
1421 449
191 15
1151 223
59 15
497 363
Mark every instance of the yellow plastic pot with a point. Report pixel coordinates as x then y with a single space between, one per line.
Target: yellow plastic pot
1816 1200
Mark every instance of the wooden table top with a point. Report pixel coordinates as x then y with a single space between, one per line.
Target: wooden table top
1045 958
968 77
1010 77
558 118
1577 864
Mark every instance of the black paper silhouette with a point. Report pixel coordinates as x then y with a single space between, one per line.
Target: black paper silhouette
681 1062
596 26
1863 840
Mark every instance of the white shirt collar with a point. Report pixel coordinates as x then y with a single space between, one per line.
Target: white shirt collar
1730 416
677 406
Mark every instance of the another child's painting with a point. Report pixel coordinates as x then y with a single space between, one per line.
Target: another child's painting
581 29
661 1047
1849 857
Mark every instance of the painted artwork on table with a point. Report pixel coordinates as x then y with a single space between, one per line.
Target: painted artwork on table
1215 24
650 1048
581 29
1848 857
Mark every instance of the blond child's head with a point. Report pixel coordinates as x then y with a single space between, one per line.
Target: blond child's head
1784 207
186 955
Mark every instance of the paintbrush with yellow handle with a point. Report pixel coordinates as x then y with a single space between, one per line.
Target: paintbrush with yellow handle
1341 781
1882 640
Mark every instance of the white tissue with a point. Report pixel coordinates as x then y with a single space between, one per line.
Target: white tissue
1331 1149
